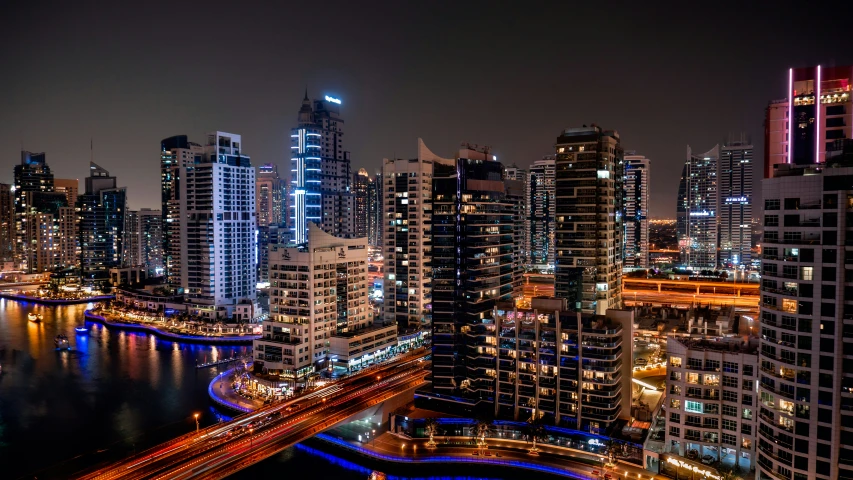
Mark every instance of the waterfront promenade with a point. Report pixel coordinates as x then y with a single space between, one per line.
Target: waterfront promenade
558 461
165 333
55 301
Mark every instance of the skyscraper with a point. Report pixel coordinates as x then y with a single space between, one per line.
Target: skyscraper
698 208
539 221
360 186
589 176
734 183
816 134
374 211
407 217
31 175
7 222
321 175
268 192
523 228
217 192
175 153
637 171
145 240
473 268
102 222
69 186
803 398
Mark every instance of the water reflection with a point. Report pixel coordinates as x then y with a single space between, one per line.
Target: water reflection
112 389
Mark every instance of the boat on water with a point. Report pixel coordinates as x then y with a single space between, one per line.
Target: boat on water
34 317
61 342
81 329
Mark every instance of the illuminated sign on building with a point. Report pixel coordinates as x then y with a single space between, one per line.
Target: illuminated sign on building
703 213
333 99
737 200
693 468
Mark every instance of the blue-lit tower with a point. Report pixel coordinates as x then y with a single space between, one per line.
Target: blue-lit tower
320 172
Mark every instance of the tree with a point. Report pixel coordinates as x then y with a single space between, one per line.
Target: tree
481 429
614 449
535 430
729 474
431 428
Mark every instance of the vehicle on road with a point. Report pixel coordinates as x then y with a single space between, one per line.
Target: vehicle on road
641 362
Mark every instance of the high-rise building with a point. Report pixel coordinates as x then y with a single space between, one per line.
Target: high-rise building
267 236
175 153
473 262
268 194
70 187
102 222
818 133
321 175
49 232
804 399
361 181
698 209
539 221
589 176
523 239
710 404
145 240
734 186
217 192
299 338
31 175
374 211
7 222
568 369
407 217
636 217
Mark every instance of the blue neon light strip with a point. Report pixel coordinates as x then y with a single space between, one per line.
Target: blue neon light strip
449 459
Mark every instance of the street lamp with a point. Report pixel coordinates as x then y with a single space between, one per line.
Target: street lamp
251 440
374 438
196 422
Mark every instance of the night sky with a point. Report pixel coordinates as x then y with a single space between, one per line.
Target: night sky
663 75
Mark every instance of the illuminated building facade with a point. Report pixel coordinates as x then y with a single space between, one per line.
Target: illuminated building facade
175 153
541 208
589 178
268 194
407 228
102 226
698 209
321 176
636 204
820 127
734 182
361 181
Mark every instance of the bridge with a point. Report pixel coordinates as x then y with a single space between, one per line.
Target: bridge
693 286
223 449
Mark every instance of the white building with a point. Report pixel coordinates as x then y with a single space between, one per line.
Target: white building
541 207
218 230
711 402
637 172
734 184
318 290
806 357
175 153
406 232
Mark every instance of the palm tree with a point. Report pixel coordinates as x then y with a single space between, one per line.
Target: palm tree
481 429
535 430
613 449
431 428
729 474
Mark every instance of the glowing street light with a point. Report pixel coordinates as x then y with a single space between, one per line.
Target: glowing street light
196 422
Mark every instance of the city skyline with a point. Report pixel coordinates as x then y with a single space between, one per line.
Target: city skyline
260 103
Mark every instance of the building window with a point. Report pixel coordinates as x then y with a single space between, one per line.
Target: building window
695 407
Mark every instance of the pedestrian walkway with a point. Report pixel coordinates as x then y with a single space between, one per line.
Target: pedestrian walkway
222 392
552 460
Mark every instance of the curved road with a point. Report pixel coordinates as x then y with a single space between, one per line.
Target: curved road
225 448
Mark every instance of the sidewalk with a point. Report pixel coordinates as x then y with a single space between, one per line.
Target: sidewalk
222 393
388 447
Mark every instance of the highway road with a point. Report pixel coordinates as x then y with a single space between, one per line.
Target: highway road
225 448
629 296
